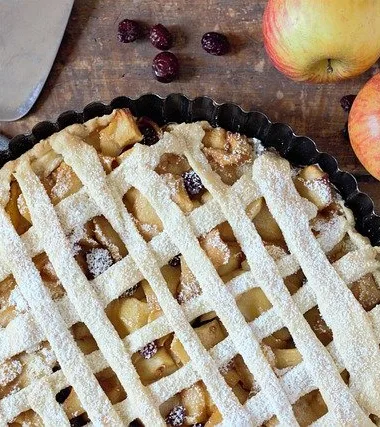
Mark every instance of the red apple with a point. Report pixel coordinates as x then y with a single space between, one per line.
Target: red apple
322 40
364 126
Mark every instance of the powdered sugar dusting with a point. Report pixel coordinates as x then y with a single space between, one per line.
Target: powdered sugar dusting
63 184
75 237
295 385
37 366
323 226
98 261
330 231
269 355
216 248
276 252
211 284
149 228
258 147
49 356
334 299
226 367
216 242
9 371
18 301
321 187
189 290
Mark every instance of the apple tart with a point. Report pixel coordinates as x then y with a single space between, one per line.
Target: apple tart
181 275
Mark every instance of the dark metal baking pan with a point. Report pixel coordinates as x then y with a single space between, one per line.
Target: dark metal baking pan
299 150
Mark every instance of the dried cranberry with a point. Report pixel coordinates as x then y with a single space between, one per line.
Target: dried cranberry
150 136
165 67
347 101
79 421
175 261
149 130
62 395
215 43
345 134
129 292
192 182
161 37
129 31
149 350
176 416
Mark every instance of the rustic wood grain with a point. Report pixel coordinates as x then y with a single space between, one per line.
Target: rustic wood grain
93 65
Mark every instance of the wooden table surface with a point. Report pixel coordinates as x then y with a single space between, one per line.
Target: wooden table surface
92 65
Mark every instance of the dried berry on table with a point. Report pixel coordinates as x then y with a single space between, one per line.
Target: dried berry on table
161 37
192 182
346 102
176 416
215 43
165 67
129 31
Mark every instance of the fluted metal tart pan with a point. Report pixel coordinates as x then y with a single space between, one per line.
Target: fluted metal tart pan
299 150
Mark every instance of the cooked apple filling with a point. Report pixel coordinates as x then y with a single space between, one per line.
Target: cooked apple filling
133 308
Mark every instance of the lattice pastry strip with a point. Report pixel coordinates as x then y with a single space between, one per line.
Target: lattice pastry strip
357 349
15 403
316 358
296 382
203 219
42 401
220 300
22 333
84 162
45 312
21 330
81 294
360 262
78 208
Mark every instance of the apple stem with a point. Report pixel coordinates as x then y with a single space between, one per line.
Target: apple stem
329 67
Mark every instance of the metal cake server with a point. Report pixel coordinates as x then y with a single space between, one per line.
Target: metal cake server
31 32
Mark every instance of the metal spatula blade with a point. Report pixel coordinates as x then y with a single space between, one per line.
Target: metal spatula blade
30 34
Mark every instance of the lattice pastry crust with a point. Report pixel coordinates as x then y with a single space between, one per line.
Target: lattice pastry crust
181 276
